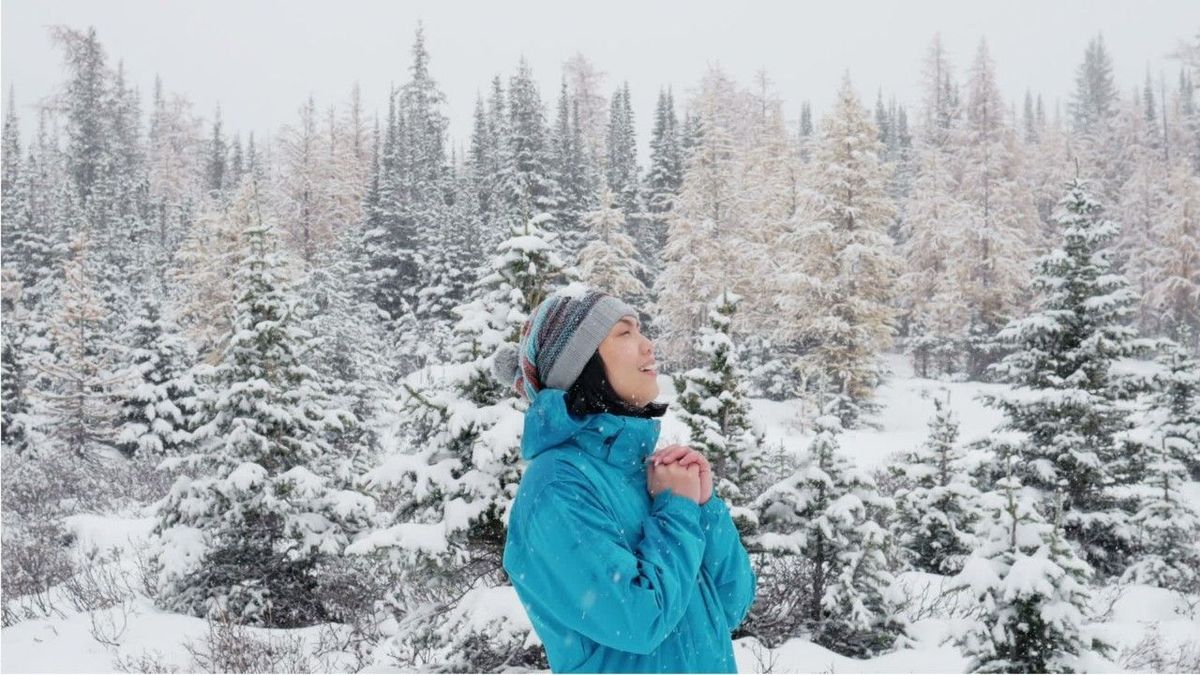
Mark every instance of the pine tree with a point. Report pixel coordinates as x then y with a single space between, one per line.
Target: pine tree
936 503
621 164
663 179
1167 527
826 513
158 396
455 481
713 404
216 165
1033 591
268 503
1095 96
15 406
1176 402
1067 399
609 261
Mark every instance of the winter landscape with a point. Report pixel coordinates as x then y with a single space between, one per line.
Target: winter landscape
942 351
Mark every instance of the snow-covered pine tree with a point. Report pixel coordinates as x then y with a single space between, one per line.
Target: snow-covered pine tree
266 503
609 262
713 404
663 180
827 513
1176 403
14 404
1066 399
157 398
1167 526
451 484
621 157
937 506
573 174
1032 590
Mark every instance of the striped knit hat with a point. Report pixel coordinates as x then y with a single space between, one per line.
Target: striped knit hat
558 339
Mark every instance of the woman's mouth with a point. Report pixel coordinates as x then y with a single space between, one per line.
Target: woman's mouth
650 369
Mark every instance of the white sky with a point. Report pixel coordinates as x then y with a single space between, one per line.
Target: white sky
260 59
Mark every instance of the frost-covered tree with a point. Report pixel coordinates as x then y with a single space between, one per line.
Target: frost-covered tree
1167 527
1174 293
157 397
266 504
1001 223
1176 405
838 292
713 404
80 399
827 514
452 485
609 261
1032 591
1066 399
936 504
702 236
663 180
936 310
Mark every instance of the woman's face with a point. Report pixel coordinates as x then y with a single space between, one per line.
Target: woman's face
629 362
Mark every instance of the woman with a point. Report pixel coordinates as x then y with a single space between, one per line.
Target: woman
623 558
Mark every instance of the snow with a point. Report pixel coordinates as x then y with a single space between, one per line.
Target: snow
1127 613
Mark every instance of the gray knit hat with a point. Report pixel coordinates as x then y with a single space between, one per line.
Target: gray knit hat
558 339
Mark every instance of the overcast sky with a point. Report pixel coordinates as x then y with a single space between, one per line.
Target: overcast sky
261 59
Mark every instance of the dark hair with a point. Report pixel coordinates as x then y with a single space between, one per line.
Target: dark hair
592 393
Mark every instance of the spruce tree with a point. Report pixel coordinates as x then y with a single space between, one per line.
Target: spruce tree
265 504
936 503
1066 398
1176 404
1032 590
713 404
158 397
455 479
827 513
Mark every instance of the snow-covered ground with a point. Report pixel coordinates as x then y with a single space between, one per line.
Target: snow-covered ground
135 632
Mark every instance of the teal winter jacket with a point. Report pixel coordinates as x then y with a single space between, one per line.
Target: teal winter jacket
612 579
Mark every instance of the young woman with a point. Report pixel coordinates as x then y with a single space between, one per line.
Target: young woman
623 558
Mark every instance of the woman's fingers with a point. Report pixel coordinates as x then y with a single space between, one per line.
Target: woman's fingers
695 457
670 453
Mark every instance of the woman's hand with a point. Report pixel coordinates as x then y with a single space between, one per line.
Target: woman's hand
682 480
687 457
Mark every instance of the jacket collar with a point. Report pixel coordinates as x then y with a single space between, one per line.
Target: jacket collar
620 440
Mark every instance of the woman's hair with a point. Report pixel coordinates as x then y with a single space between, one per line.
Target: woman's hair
593 393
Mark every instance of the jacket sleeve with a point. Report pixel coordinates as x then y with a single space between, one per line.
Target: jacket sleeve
569 560
726 561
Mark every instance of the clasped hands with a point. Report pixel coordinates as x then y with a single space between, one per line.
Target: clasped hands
680 469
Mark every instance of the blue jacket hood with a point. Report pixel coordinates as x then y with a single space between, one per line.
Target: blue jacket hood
620 440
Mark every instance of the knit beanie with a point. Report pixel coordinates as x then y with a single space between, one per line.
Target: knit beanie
558 339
